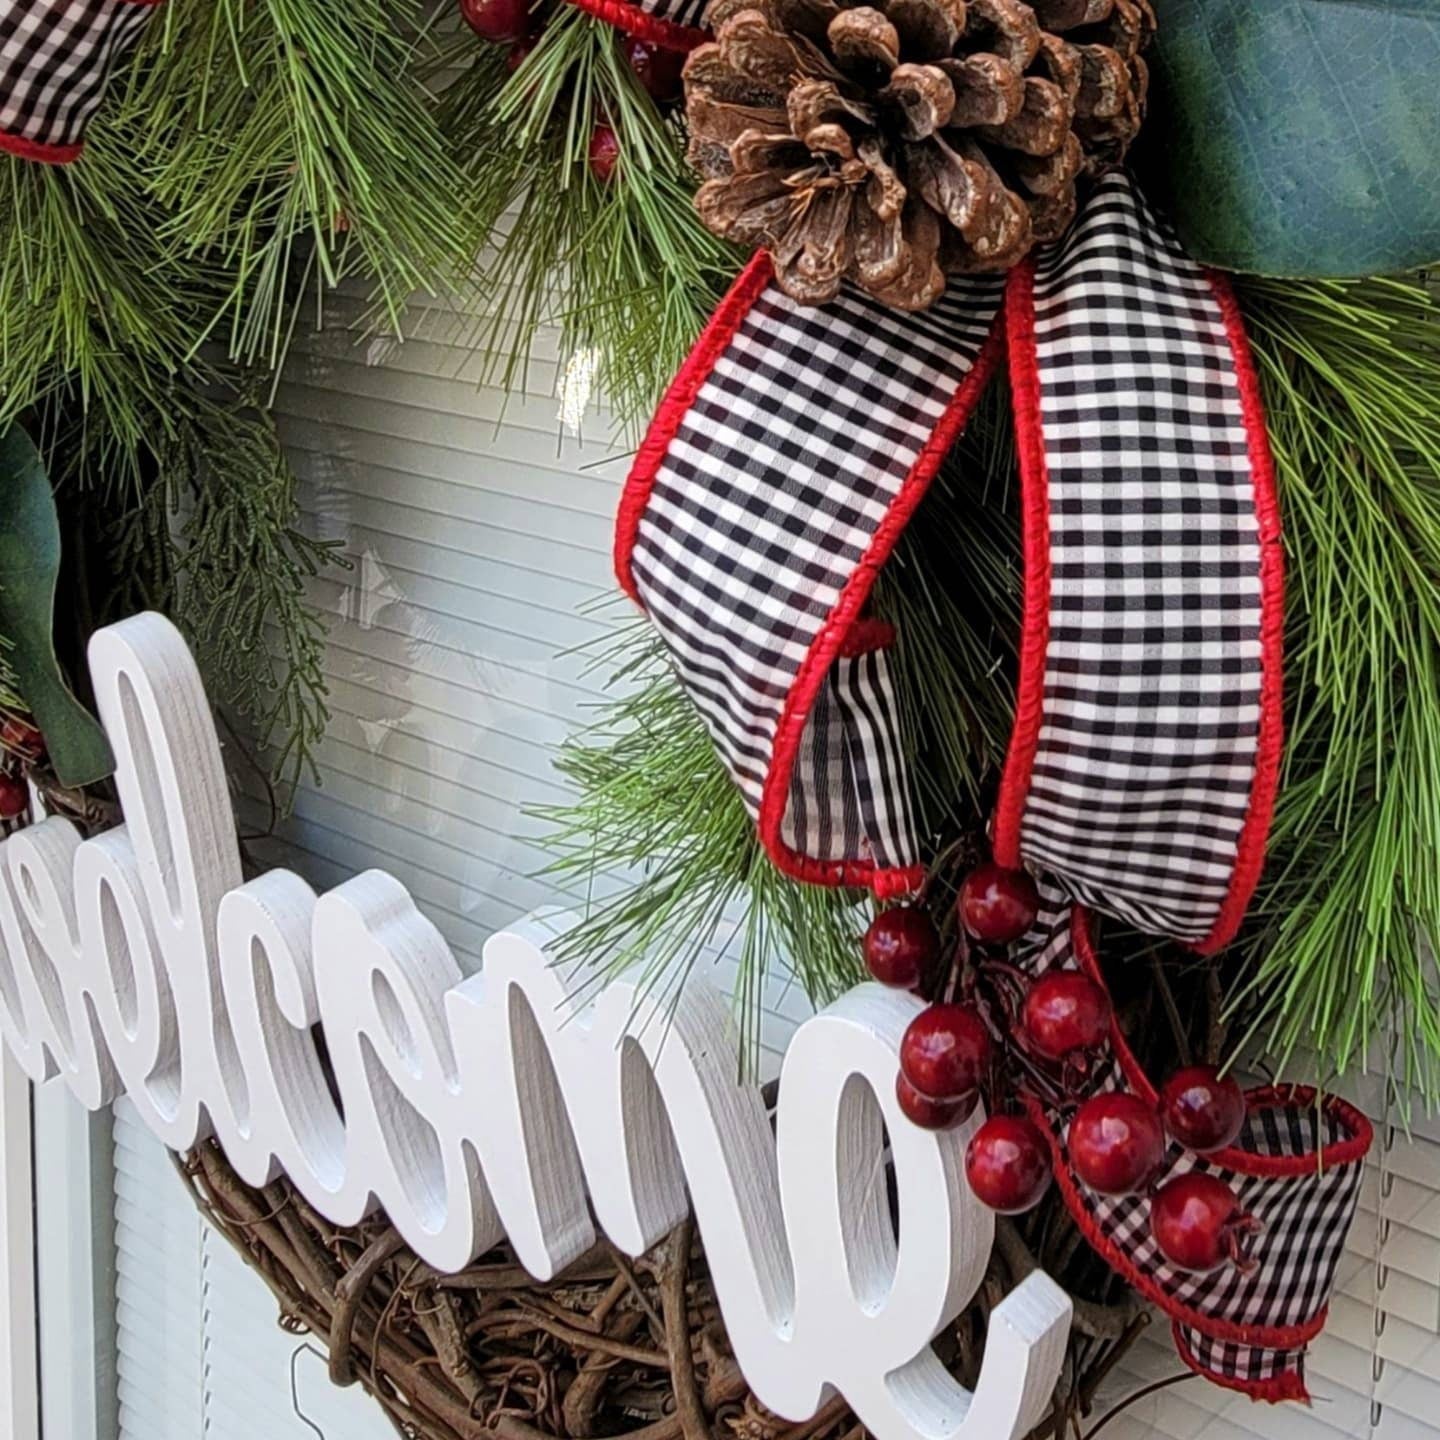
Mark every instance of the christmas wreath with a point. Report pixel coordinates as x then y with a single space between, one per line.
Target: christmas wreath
1039 539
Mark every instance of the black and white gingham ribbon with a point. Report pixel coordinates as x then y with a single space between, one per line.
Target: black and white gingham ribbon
55 56
793 448
784 462
1147 741
1296 1167
776 477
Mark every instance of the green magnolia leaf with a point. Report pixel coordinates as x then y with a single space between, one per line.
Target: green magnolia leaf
1299 137
29 563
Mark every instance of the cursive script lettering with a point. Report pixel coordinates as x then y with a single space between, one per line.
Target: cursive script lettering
491 1106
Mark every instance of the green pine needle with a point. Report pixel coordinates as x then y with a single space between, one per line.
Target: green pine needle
1347 917
285 139
218 540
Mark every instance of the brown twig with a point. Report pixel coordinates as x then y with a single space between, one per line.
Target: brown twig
1172 1010
494 1354
693 1424
350 1296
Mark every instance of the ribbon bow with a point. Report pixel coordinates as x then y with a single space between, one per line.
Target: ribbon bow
777 475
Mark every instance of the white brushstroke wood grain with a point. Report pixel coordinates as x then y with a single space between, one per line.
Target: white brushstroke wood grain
490 1106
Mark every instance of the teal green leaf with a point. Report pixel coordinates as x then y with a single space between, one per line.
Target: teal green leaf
29 564
1299 137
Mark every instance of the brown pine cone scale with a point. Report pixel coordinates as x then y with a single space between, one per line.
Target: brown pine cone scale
896 143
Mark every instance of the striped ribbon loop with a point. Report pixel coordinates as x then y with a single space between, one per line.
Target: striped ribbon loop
777 476
790 453
1146 749
55 56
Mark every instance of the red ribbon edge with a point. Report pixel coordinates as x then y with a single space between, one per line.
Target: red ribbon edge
1287 1385
886 883
1269 744
1035 534
39 151
653 29
719 331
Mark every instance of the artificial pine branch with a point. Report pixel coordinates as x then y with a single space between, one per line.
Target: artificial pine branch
623 267
285 139
246 145
659 841
1347 917
87 306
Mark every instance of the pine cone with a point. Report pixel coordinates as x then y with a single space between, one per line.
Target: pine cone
895 145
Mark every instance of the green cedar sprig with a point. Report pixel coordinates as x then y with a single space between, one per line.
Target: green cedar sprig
219 544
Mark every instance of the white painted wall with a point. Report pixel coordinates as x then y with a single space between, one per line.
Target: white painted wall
477 529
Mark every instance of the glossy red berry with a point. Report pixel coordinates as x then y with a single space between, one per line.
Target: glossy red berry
1065 1012
20 737
1202 1109
658 69
1007 1163
944 1051
1198 1224
998 905
498 20
516 55
1116 1143
14 796
931 1114
604 152
900 945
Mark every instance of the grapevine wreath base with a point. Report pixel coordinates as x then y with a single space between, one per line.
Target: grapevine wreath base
610 1347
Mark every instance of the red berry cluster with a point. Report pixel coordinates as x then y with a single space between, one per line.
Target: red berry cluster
21 744
991 1031
515 23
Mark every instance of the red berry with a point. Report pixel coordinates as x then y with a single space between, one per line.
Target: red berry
1198 1224
931 1114
498 20
515 56
1065 1011
900 945
1202 1109
1007 1163
604 152
944 1051
14 796
658 68
998 905
1116 1143
21 737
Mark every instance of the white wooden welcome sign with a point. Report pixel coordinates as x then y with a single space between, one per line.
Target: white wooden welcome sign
492 1106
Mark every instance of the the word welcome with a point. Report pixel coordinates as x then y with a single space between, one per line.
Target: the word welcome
477 1108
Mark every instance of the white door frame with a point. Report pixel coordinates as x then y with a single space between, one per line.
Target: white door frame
19 1323
74 1179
